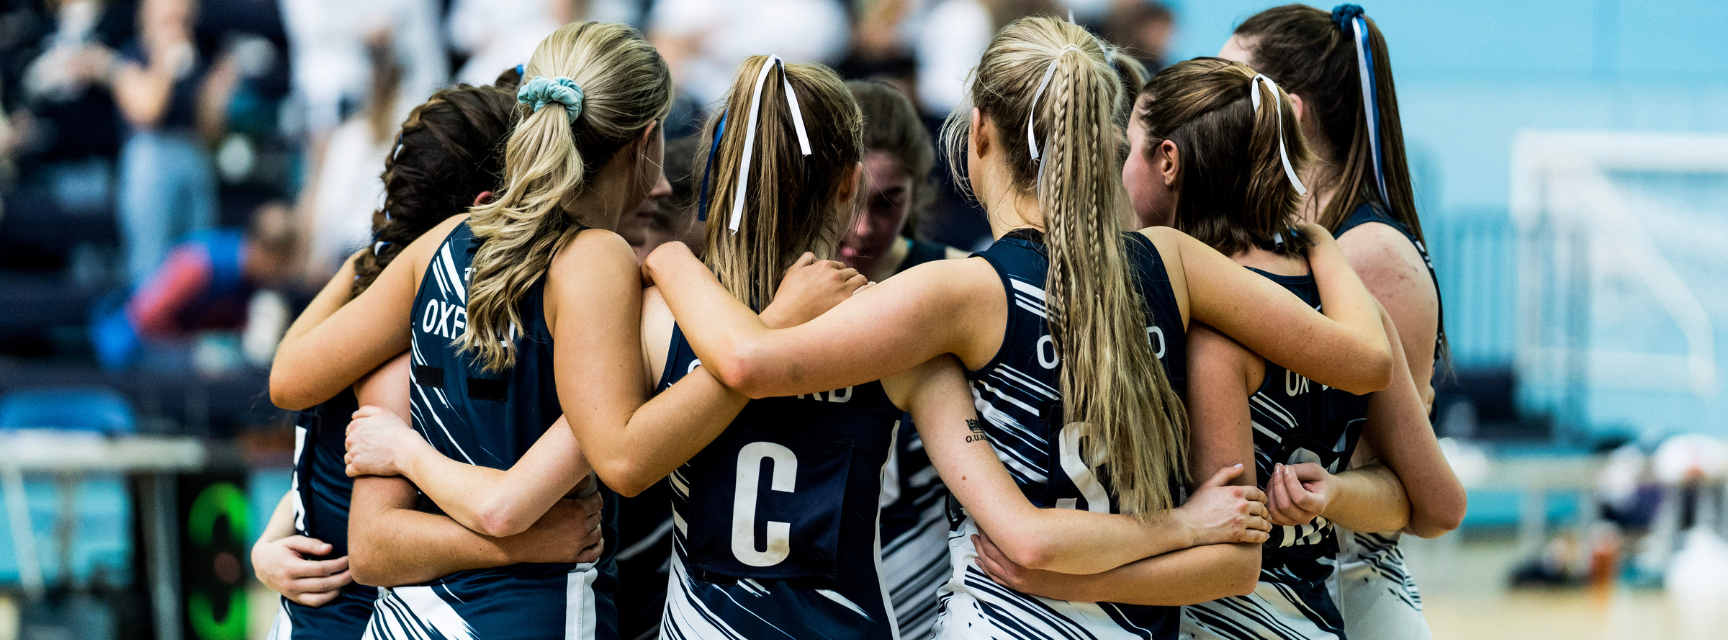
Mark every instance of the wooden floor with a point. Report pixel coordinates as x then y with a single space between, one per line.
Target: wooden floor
1465 598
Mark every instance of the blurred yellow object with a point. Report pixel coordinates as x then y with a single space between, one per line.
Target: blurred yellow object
8 618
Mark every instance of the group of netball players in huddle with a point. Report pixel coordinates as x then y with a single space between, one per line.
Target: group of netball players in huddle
1165 402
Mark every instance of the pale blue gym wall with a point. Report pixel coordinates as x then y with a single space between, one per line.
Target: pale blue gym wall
1471 74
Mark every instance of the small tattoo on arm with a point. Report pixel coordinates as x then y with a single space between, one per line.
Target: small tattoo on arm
977 429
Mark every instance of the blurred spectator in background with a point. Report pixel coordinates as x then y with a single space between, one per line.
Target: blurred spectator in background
883 34
671 215
499 34
953 37
703 40
58 137
347 180
206 283
328 47
167 188
898 159
1144 28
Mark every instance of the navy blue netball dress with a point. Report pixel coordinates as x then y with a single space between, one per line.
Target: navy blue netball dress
775 522
490 418
1294 420
319 492
1018 395
1376 591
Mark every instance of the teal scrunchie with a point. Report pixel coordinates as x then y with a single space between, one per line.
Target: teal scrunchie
542 91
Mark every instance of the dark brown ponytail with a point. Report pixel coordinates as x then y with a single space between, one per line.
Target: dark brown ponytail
1232 191
1312 53
450 150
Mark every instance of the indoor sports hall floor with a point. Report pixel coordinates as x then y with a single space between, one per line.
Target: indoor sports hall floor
1466 598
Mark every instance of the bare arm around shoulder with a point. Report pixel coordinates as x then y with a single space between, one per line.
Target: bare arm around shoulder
594 306
1052 539
1344 348
1399 433
392 544
495 502
947 306
1393 271
676 424
316 363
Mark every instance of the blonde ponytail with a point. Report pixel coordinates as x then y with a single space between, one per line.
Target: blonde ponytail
790 202
1111 381
548 161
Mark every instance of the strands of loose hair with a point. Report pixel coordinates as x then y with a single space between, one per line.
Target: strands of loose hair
1232 191
1114 389
450 151
789 206
548 162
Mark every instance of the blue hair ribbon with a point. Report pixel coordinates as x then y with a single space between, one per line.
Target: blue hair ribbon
1353 23
521 70
719 130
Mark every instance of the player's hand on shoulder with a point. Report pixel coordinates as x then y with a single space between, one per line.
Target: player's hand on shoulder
811 287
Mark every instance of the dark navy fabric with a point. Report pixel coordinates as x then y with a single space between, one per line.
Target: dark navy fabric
343 618
321 484
775 530
1019 397
921 252
644 561
491 418
321 492
645 551
1294 421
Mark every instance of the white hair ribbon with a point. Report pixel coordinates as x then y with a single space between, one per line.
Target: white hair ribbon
1365 71
1032 114
1277 114
750 134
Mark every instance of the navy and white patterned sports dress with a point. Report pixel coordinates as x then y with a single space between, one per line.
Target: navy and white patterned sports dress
1376 592
644 559
775 521
489 419
320 492
1294 421
914 511
1017 394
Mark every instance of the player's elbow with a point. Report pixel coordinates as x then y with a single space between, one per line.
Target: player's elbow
287 392
365 566
1372 369
624 477
1441 519
499 519
742 365
1029 549
1243 573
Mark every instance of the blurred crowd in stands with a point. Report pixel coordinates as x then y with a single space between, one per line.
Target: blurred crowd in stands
178 176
